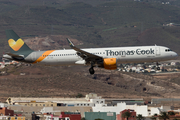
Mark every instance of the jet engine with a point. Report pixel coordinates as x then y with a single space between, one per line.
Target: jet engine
110 63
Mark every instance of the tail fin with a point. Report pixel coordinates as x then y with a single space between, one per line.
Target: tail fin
17 45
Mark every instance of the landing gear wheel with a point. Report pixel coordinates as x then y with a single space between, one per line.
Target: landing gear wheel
91 71
158 68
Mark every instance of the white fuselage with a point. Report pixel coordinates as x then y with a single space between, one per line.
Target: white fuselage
122 54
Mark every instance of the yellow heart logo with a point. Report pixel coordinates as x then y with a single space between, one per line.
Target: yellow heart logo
16 45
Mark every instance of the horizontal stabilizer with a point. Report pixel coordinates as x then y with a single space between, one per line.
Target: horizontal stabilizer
14 56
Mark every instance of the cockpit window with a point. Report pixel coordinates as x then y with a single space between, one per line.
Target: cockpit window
167 50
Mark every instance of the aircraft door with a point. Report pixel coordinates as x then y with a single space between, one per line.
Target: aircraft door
158 52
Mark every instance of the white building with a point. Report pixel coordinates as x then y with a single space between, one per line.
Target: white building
144 110
4 117
104 108
90 100
49 110
3 105
155 111
51 117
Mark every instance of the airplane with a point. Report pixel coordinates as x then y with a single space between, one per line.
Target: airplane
106 58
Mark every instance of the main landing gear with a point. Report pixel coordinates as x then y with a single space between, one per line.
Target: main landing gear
91 70
158 68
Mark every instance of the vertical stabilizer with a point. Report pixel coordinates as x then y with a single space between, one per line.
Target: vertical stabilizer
17 45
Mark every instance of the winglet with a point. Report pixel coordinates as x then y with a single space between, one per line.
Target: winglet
70 43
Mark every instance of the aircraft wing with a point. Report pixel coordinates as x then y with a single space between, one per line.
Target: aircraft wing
83 54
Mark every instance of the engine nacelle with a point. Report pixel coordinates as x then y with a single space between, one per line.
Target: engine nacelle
110 63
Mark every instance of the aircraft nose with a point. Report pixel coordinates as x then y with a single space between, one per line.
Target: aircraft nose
175 54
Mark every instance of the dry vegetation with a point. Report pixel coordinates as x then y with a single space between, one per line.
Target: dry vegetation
61 81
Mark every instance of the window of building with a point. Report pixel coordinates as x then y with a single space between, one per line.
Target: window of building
59 104
51 104
43 104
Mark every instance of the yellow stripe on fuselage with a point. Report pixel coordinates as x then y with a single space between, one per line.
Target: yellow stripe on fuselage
44 55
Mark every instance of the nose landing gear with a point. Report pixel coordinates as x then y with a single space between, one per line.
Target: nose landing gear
91 70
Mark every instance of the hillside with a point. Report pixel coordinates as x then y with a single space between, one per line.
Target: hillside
47 81
105 24
165 36
45 24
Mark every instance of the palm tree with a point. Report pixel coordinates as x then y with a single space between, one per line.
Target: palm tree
98 119
155 114
126 115
153 118
171 113
83 118
164 116
140 117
